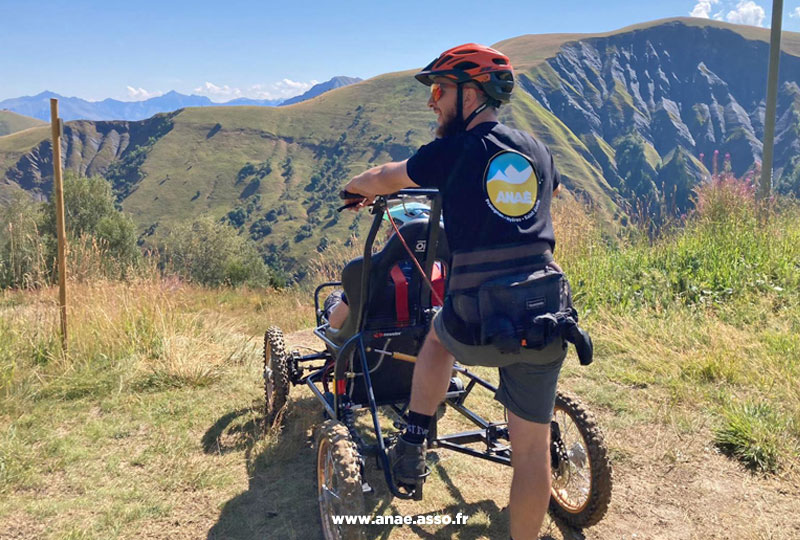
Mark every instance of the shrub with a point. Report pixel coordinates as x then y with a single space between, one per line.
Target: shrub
260 228
212 253
725 200
101 240
304 232
90 210
22 252
754 433
237 217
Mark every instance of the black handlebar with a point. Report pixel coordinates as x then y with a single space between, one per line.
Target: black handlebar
411 192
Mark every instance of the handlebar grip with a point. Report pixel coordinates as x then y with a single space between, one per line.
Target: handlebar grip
348 195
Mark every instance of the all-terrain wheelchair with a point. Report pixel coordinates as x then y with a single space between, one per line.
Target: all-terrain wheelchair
368 364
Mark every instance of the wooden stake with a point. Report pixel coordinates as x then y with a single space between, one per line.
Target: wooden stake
772 99
58 193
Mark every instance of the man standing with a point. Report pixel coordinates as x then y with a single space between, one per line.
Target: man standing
497 184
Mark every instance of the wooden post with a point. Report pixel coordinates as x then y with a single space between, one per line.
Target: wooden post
58 194
772 98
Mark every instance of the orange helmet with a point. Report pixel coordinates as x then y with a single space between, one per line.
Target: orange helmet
490 69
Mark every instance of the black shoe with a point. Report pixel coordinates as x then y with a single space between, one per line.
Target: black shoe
407 461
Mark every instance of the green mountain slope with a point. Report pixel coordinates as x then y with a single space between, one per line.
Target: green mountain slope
275 172
11 122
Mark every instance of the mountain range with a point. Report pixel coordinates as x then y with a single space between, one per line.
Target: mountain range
73 108
637 114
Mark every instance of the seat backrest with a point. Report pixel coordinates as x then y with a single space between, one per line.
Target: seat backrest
381 309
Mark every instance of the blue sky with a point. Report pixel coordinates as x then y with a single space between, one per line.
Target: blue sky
265 49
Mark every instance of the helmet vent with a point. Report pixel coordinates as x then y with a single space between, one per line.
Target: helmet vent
500 61
442 60
466 51
466 65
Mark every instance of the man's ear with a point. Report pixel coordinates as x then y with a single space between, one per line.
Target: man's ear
476 95
469 95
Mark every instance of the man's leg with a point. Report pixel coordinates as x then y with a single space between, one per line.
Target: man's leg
432 374
530 484
431 378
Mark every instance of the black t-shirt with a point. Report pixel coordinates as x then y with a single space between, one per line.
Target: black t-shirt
496 183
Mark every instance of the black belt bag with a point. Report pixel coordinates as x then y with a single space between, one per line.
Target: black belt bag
519 310
510 298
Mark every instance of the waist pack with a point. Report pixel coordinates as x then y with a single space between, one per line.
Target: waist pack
529 308
531 311
510 309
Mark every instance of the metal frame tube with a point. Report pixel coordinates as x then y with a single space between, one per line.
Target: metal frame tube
316 298
373 407
310 383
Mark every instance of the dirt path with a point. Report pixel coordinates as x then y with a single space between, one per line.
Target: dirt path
669 483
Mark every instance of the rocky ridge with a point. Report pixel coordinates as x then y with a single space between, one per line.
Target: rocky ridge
701 88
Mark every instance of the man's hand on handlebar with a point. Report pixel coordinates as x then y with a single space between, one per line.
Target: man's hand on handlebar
355 201
381 180
352 192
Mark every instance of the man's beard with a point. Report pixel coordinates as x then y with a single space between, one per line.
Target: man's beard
449 127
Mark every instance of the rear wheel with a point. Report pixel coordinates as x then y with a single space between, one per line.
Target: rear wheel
582 479
276 375
339 483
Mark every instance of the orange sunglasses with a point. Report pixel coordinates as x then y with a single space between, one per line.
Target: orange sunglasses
437 91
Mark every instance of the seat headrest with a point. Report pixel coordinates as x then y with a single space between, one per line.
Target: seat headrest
413 232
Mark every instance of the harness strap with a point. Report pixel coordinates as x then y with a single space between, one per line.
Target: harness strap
400 294
438 281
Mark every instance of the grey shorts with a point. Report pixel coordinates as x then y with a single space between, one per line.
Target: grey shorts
528 380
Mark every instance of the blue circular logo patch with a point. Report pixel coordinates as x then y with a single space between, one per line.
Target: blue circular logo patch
512 187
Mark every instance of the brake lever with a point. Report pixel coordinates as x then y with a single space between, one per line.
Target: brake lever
349 205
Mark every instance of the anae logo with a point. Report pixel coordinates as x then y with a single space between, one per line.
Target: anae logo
511 184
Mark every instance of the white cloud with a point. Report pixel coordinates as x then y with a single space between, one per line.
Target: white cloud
703 9
747 12
218 93
284 88
140 94
294 85
795 14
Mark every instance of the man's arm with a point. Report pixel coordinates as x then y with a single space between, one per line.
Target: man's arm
381 180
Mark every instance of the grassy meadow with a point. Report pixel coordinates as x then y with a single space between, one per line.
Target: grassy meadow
11 122
149 424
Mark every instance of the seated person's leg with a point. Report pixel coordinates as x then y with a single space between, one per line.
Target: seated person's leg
338 314
336 309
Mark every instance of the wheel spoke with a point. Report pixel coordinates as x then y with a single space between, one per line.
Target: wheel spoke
330 493
572 486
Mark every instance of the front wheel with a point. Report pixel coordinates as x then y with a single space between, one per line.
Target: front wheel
582 479
339 483
276 375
